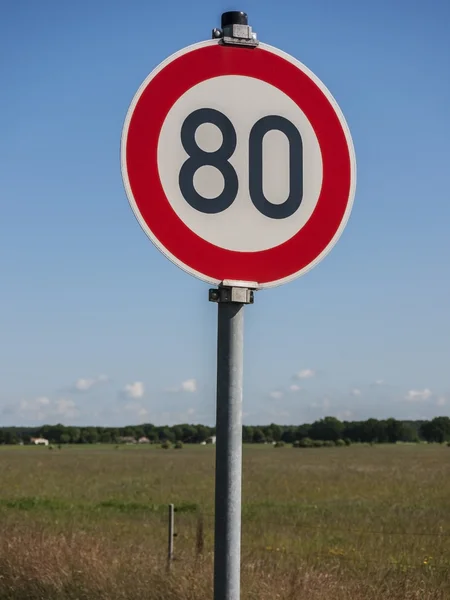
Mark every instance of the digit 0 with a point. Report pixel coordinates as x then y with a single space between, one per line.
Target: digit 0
199 158
255 167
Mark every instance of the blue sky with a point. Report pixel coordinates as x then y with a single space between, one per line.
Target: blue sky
97 327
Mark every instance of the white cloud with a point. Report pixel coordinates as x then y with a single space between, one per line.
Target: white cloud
441 401
418 395
33 409
305 374
83 385
294 388
189 385
66 408
44 409
379 382
276 395
355 392
134 390
43 401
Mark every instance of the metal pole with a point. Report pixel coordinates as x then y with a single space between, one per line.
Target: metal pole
171 535
230 355
230 346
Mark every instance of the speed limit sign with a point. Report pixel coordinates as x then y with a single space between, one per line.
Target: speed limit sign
238 164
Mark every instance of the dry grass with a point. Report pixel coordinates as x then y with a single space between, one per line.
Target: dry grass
359 523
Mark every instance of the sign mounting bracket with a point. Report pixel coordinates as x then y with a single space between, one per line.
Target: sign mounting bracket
235 31
241 295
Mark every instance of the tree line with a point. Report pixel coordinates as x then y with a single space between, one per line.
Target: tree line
326 429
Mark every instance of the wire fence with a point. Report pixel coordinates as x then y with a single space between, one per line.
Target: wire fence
358 531
203 522
364 561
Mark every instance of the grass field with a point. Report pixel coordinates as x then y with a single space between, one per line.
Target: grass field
359 523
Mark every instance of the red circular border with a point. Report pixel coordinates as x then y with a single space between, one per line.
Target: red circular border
145 125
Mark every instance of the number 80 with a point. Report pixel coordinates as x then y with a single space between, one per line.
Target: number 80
220 160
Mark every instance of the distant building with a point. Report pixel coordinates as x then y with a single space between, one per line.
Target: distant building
127 439
211 440
143 440
39 441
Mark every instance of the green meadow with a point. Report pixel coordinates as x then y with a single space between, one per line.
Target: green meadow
359 522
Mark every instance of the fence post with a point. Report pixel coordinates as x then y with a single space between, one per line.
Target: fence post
200 538
171 535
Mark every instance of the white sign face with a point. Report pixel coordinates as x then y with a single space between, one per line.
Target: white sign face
241 227
238 164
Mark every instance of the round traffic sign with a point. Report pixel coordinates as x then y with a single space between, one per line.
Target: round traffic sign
238 164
